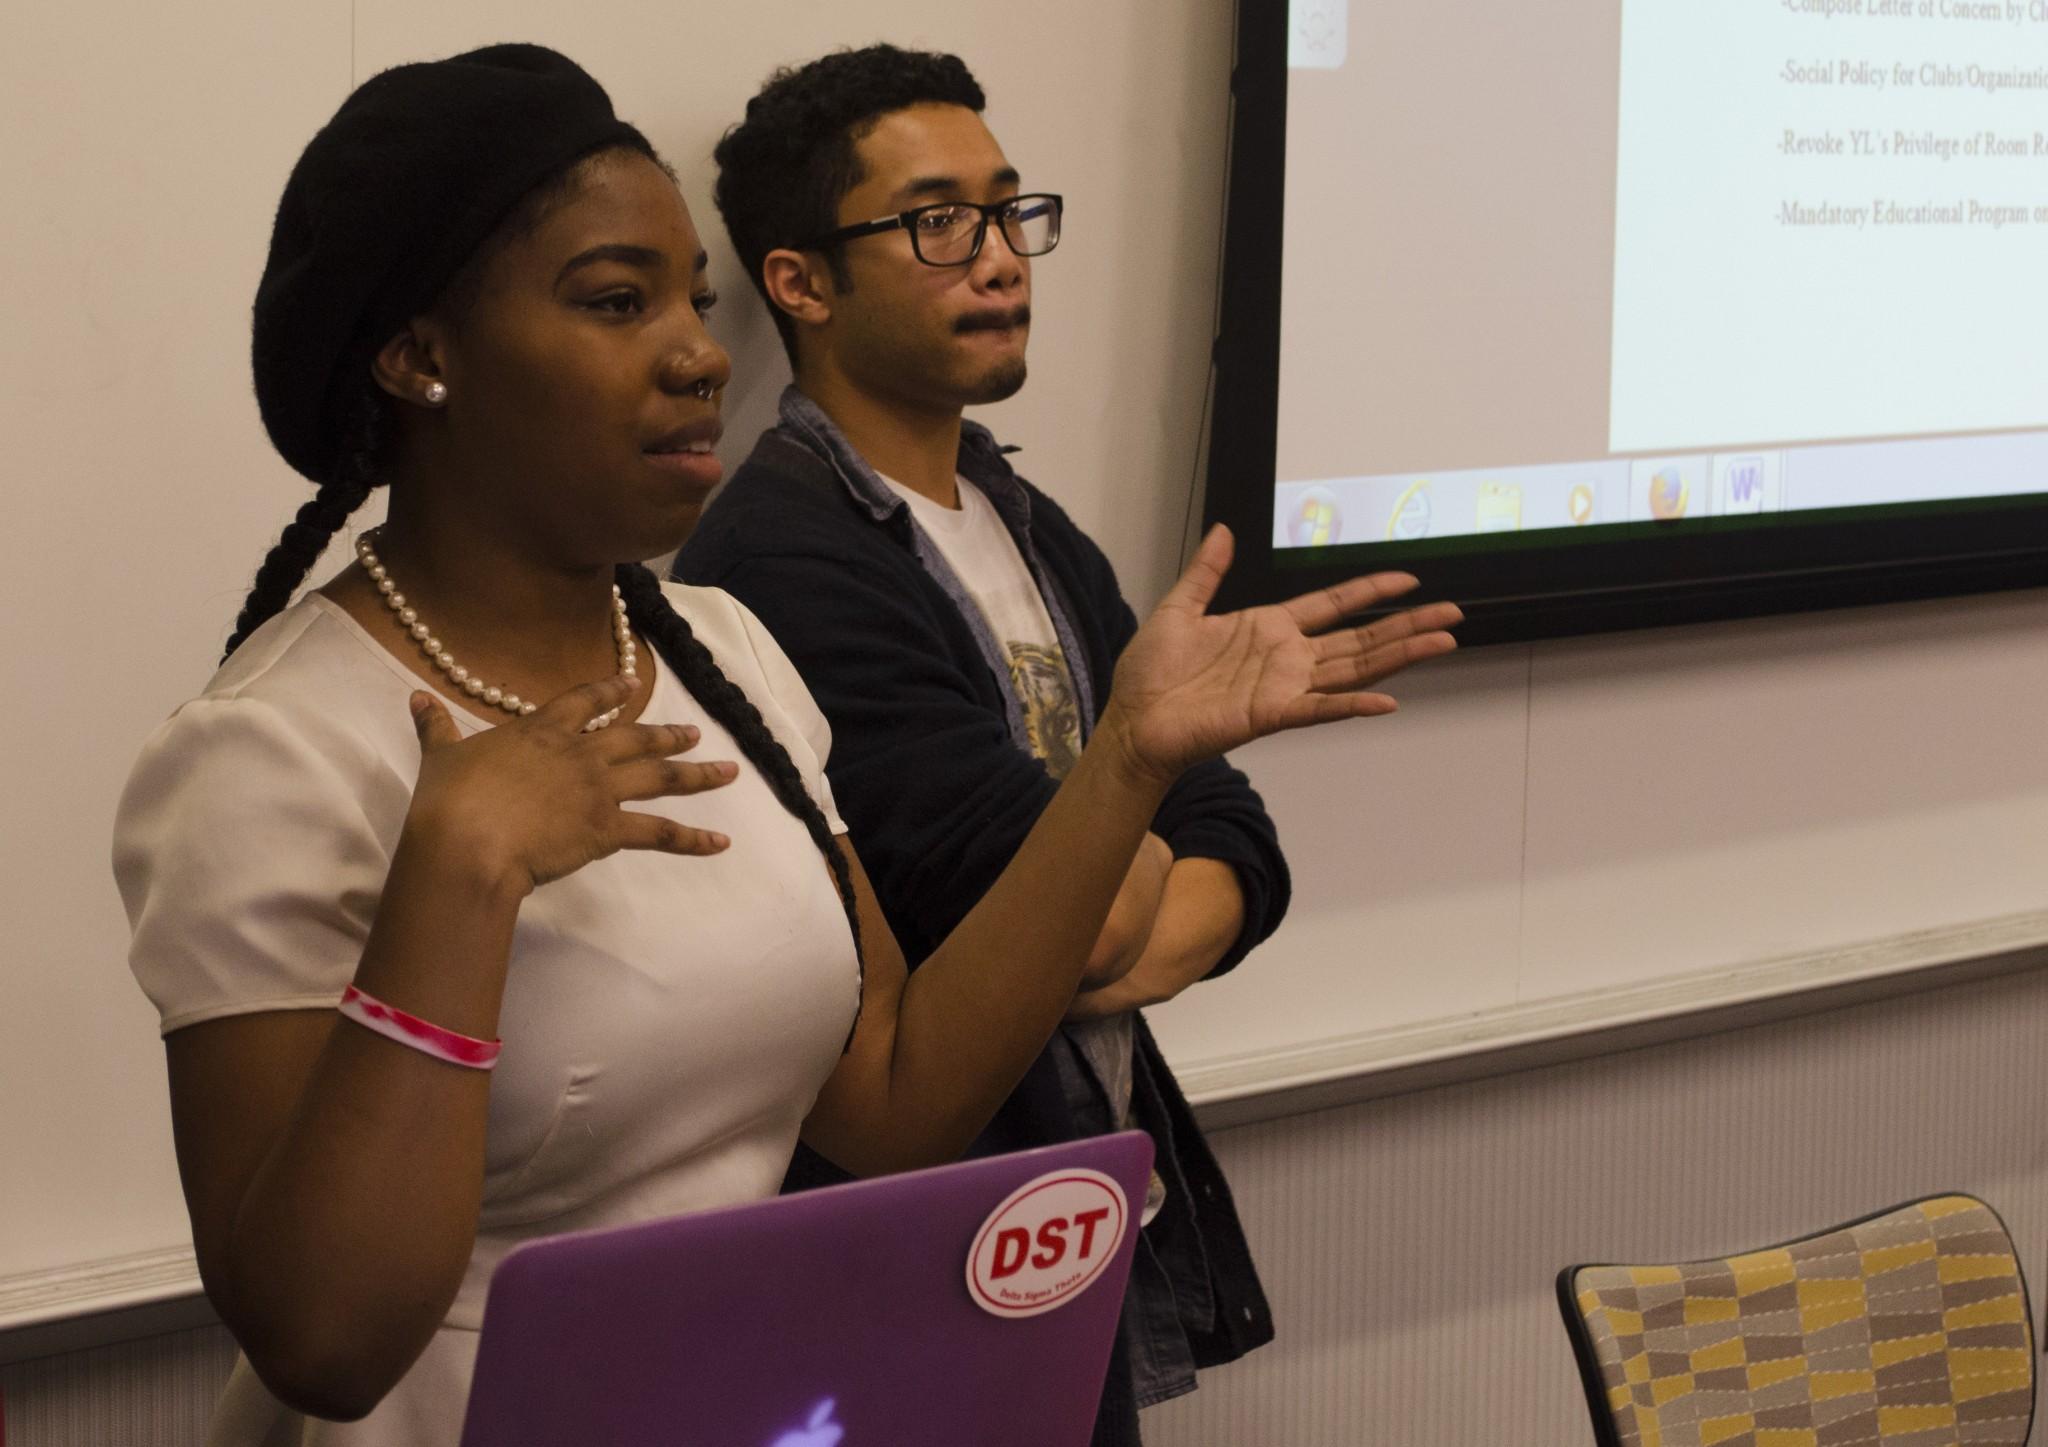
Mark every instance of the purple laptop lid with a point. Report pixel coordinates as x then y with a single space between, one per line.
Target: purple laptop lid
969 1304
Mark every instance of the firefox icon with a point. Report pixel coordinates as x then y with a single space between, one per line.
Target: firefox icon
1668 494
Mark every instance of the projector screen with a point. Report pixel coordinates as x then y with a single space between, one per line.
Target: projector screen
1640 273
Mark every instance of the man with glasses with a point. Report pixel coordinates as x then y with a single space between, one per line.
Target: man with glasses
959 631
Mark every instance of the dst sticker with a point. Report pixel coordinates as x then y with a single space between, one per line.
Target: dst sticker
1047 1243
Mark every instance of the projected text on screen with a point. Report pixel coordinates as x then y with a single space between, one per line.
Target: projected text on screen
1549 267
1830 217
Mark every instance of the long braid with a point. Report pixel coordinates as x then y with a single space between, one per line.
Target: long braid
669 632
306 536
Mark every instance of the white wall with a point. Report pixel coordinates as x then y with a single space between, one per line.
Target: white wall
144 148
1540 818
1579 815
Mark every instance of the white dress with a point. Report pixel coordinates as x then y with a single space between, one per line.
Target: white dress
667 1021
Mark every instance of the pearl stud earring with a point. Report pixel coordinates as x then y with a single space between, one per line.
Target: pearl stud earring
437 393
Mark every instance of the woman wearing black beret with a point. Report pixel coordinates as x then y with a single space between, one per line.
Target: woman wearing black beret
432 809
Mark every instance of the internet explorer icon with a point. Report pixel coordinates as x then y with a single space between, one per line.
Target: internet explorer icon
1410 518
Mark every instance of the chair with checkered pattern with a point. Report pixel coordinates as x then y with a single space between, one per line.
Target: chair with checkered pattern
1910 1328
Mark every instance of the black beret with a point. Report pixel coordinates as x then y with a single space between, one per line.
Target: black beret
389 200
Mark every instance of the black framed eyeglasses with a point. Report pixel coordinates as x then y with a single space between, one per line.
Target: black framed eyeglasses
950 233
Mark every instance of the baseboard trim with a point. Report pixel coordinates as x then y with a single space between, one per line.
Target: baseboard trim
96 1303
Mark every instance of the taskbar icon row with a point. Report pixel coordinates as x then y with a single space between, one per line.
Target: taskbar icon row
1407 508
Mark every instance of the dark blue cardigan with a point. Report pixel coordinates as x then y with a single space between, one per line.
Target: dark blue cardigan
937 796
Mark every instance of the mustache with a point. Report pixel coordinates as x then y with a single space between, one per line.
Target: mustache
994 321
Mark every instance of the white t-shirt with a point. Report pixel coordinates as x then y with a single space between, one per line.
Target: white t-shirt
980 550
667 1021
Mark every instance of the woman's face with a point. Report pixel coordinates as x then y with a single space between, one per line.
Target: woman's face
577 374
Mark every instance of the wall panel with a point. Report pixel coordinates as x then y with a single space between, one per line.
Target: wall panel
1409 1244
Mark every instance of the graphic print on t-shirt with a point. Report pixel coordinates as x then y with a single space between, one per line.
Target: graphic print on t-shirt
1052 715
977 545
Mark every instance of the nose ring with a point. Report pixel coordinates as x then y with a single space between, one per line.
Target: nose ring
703 389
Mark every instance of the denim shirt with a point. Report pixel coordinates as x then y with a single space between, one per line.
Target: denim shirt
981 463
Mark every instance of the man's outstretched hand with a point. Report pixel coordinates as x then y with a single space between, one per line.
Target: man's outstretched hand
1191 686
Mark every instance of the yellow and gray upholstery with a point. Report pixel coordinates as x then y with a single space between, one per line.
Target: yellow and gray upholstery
1907 1329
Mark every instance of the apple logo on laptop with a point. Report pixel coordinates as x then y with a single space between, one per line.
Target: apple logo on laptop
817 1432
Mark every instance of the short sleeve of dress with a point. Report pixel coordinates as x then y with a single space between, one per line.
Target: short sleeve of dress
776 688
247 864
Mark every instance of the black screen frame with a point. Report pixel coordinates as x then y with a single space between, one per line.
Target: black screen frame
1544 584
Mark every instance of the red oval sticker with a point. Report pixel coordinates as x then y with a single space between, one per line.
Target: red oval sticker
1047 1243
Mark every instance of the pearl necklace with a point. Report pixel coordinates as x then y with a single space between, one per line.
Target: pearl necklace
409 619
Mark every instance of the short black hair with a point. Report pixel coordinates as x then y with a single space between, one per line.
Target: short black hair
783 170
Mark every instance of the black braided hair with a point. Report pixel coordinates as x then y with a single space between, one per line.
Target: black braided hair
669 632
306 536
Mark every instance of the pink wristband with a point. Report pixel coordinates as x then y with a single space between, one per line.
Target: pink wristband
393 1024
